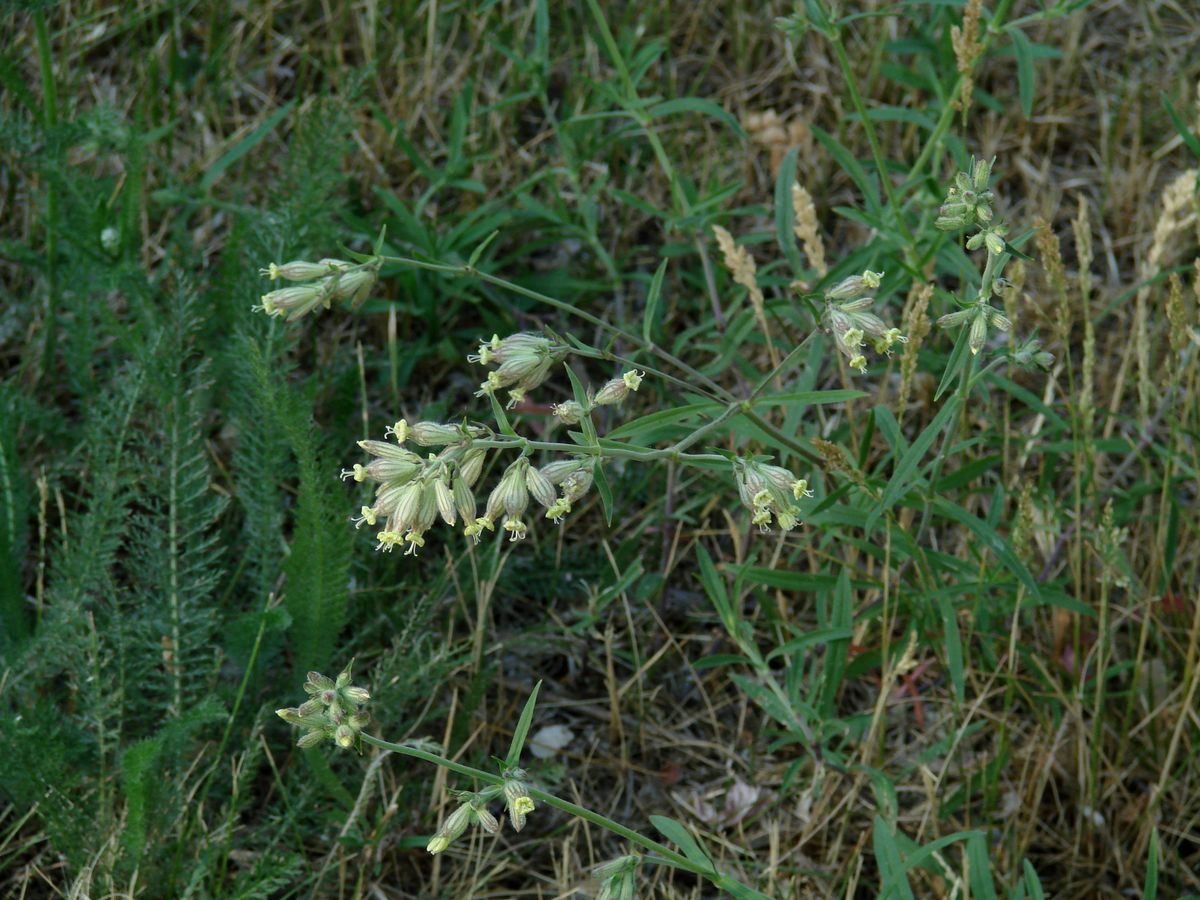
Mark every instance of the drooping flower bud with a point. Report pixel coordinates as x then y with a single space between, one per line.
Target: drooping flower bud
539 487
297 270
295 301
576 484
569 413
516 798
978 336
452 828
434 434
445 501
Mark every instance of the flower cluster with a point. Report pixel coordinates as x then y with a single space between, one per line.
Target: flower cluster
325 281
849 319
473 809
968 203
412 492
769 492
333 712
611 393
522 361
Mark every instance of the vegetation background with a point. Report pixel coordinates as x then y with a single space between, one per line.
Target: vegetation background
998 630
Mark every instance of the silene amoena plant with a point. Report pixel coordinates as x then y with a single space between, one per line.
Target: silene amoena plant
428 472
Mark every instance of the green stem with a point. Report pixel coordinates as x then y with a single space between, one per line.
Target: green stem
735 404
672 452
566 806
472 272
934 143
843 59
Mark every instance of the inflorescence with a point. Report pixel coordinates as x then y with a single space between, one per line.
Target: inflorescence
334 711
318 285
848 317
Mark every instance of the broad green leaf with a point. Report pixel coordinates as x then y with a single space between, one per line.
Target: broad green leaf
1033 884
982 886
604 490
522 729
701 105
1189 138
838 650
677 834
820 636
887 857
244 146
785 215
1150 889
992 541
958 358
851 166
906 468
1025 72
652 298
954 655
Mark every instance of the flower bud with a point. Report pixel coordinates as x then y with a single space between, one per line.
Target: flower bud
950 320
982 174
464 500
517 799
486 820
456 823
445 501
978 336
354 694
408 505
297 270
433 434
310 739
471 465
390 470
998 320
353 286
847 288
558 470
385 450
569 413
995 243
295 301
611 393
575 485
539 487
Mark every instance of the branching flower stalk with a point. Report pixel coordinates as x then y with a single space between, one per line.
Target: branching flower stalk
335 712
